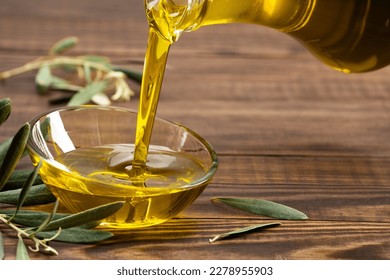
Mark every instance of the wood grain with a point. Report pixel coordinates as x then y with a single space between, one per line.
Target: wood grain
286 129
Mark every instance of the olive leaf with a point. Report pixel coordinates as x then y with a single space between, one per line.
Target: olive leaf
38 194
25 189
63 45
30 218
43 79
240 231
14 153
61 84
5 109
4 147
77 235
85 94
21 250
18 178
49 218
2 255
21 199
94 214
87 73
263 207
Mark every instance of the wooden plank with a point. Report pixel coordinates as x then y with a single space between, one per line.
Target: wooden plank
286 127
35 26
295 170
336 203
291 240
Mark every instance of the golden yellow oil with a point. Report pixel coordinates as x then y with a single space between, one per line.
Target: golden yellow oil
90 177
348 35
153 73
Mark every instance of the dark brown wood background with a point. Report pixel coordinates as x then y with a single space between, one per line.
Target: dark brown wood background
286 128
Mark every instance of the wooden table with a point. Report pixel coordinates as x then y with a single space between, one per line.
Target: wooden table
286 129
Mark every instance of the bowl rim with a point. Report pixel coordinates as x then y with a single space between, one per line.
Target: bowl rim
33 149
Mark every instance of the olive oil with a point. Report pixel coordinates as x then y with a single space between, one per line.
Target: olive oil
99 175
347 35
154 68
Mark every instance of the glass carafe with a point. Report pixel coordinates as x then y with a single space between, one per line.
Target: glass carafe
347 35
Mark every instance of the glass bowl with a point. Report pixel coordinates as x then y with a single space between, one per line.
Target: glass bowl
86 154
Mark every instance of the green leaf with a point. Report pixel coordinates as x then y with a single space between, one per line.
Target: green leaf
60 84
48 219
43 79
87 73
38 194
4 146
18 178
63 45
21 250
5 109
264 208
2 255
14 153
84 217
77 235
30 218
26 187
85 94
240 231
131 74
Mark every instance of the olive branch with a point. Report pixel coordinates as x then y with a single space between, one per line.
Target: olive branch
95 77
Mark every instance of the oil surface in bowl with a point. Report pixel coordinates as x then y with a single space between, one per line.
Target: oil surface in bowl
100 175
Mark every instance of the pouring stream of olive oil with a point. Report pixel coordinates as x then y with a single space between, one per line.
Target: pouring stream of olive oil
347 35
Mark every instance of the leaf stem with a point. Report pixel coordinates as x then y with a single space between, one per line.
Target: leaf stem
19 70
52 61
23 233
